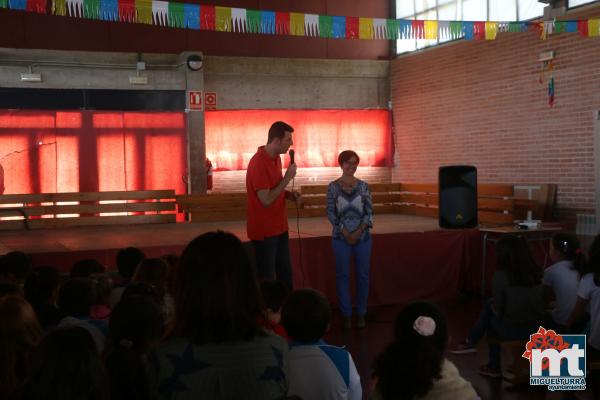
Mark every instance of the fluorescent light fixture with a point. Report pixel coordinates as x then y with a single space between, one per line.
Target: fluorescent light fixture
31 77
138 80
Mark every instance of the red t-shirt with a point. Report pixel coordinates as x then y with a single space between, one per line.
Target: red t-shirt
264 172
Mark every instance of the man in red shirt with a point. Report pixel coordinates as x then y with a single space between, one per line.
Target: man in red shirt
267 223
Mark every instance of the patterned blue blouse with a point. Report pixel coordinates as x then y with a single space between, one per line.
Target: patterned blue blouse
349 210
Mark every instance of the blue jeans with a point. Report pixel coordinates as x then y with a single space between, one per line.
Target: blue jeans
362 258
273 259
489 322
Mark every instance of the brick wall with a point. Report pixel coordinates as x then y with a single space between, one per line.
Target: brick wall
235 181
480 103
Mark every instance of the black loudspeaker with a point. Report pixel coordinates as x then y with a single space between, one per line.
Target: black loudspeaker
457 188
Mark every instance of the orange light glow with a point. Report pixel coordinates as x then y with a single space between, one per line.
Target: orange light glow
232 137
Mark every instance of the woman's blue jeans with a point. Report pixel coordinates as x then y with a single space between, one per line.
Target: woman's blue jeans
362 259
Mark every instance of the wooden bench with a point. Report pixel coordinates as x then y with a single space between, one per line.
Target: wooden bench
57 210
494 201
540 199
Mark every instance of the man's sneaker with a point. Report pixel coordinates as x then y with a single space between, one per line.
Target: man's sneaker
486 370
464 347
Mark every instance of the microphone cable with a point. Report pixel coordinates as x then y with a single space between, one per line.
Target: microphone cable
300 263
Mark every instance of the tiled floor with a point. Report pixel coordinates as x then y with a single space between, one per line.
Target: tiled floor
365 344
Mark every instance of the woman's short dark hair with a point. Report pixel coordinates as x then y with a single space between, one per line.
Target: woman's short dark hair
306 315
412 362
216 292
346 155
67 366
515 258
278 130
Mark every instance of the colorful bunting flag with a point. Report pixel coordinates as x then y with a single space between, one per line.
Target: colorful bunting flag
232 19
143 11
297 24
191 16
326 26
365 28
352 28
338 27
160 12
311 24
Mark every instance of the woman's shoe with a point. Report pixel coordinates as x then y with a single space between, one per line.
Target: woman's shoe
361 322
486 370
464 347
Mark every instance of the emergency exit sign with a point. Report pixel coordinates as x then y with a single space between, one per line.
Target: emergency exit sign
196 100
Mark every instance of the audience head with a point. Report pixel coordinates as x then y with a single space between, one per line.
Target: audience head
86 267
15 267
67 366
20 333
413 361
153 271
127 261
306 315
103 285
135 327
273 294
515 258
142 289
42 285
566 246
76 297
216 292
8 288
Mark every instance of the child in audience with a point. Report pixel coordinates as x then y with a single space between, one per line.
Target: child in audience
413 366
86 267
273 294
41 290
101 308
128 260
75 300
317 370
135 327
561 279
216 349
20 333
67 366
14 268
154 271
516 309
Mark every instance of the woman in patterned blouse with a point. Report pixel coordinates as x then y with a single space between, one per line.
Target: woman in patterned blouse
350 211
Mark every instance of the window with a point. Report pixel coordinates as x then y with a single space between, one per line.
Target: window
465 10
577 3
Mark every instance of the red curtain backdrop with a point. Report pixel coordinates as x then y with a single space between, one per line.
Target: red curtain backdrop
80 151
232 137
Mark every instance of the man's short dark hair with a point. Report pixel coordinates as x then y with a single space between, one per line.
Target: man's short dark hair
305 315
127 261
278 130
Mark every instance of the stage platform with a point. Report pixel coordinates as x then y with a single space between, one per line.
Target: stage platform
412 257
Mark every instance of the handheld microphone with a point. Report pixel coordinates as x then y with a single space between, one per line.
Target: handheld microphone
291 153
